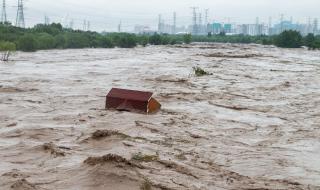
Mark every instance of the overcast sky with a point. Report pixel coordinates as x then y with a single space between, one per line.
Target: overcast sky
106 14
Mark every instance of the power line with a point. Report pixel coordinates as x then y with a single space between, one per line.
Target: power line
20 15
4 12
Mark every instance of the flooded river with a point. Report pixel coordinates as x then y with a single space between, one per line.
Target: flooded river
254 123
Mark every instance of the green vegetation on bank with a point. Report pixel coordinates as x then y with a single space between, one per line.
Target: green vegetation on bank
6 48
287 39
54 36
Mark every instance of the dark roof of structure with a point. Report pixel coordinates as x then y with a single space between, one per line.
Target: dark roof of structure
130 94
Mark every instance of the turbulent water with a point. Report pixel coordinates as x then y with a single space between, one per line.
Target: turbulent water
254 123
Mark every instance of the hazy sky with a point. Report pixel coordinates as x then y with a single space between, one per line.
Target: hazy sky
106 14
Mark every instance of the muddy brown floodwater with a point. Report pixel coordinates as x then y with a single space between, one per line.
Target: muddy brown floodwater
253 124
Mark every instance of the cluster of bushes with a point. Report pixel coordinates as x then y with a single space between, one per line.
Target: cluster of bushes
290 39
165 39
54 36
221 38
7 48
293 39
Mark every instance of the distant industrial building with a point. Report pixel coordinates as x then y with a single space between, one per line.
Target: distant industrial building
141 29
216 28
304 29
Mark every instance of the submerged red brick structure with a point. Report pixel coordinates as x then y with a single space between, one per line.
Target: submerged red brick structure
131 100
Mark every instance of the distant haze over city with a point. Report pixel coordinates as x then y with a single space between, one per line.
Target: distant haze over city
106 15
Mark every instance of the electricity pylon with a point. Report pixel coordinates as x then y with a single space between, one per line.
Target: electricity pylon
20 15
4 12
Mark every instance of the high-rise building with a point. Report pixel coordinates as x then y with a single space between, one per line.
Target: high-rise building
227 28
217 28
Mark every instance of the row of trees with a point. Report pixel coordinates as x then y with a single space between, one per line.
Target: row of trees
287 39
54 36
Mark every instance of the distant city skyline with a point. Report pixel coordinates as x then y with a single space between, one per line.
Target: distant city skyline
106 15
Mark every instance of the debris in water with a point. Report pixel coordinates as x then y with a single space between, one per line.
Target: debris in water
240 56
12 124
23 184
198 71
113 159
99 134
145 158
179 168
146 185
53 149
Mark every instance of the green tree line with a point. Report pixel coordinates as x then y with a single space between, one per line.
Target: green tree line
54 36
287 39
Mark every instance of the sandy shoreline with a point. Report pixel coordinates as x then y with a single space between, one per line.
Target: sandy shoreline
253 124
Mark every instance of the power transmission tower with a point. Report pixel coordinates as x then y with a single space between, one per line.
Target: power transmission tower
257 26
315 26
84 25
270 26
119 26
71 24
206 20
20 15
160 24
200 24
46 20
194 20
66 21
281 23
174 23
4 12
309 26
